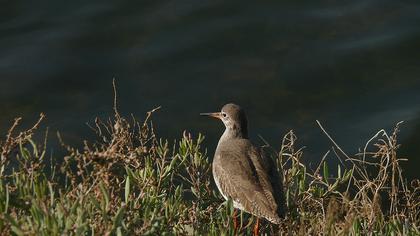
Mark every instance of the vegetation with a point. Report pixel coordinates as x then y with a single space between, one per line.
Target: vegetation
129 182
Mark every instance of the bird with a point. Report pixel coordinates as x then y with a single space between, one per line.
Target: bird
243 173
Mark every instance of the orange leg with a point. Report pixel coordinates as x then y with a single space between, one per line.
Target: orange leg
257 227
235 219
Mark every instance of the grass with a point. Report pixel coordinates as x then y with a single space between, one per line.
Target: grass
130 182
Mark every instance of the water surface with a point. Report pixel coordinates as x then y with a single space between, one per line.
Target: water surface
353 65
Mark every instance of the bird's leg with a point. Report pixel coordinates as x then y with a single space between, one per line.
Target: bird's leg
235 219
257 227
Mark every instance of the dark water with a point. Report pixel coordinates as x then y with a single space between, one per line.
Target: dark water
353 65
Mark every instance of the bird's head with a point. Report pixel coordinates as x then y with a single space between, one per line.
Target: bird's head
233 117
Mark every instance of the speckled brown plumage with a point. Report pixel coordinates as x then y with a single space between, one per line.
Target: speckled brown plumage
242 172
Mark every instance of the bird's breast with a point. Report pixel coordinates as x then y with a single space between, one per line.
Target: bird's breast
216 174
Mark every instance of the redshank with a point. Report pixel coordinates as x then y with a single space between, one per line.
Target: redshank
243 173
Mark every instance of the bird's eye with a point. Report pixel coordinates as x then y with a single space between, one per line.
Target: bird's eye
224 114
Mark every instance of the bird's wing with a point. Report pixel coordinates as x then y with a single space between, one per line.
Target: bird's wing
243 178
270 179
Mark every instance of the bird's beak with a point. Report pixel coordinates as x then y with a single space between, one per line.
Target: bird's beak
217 115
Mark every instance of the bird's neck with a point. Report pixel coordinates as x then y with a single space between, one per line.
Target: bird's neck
232 133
